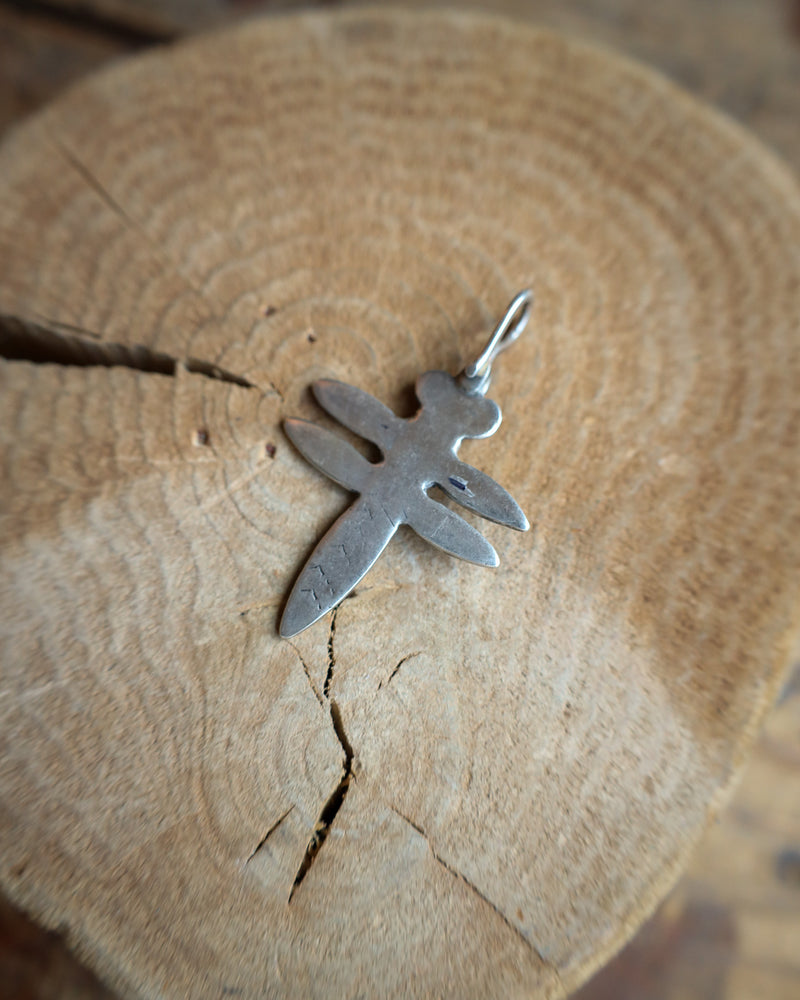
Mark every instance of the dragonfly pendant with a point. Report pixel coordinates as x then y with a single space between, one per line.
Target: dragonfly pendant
418 453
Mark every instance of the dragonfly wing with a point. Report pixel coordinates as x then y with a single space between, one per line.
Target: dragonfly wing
329 453
356 409
342 557
478 492
443 528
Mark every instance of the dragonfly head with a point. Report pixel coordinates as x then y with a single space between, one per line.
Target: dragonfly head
471 416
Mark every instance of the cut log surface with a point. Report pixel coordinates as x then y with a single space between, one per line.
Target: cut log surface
729 931
463 782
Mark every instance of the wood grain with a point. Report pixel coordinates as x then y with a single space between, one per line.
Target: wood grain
729 931
512 775
741 55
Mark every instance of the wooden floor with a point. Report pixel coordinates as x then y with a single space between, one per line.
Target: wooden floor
731 928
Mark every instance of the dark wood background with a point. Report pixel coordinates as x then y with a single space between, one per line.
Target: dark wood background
731 928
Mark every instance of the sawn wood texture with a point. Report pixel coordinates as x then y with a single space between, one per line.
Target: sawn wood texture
465 782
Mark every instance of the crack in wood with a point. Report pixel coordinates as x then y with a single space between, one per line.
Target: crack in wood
269 833
409 656
455 873
154 249
276 391
337 797
62 344
331 661
307 672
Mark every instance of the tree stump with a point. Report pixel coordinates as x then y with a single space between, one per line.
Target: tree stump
462 782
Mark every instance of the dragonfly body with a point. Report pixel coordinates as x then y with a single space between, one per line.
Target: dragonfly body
417 454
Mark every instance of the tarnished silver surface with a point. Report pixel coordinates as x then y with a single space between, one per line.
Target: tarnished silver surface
417 454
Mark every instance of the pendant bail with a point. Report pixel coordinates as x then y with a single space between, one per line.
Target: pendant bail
474 379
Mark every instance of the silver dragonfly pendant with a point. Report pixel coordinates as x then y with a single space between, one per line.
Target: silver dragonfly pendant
418 453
